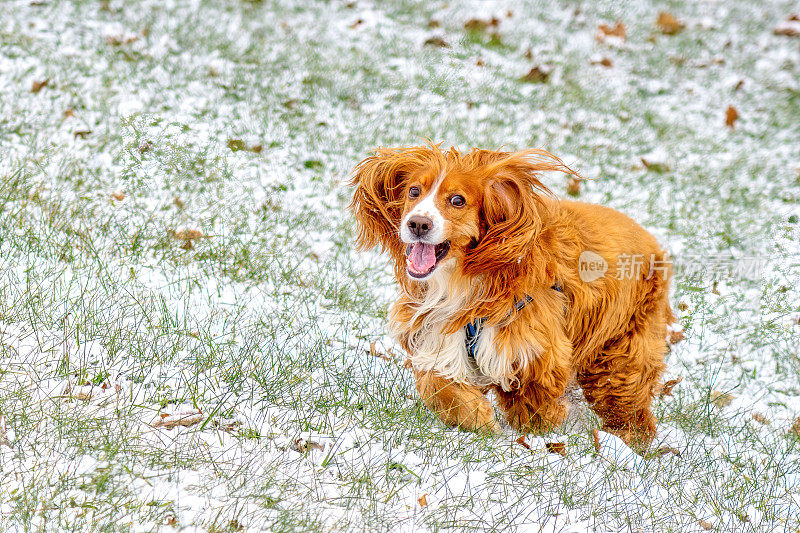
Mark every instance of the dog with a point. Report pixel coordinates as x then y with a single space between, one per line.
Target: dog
503 287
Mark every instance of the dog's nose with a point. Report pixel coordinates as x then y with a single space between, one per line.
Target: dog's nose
419 226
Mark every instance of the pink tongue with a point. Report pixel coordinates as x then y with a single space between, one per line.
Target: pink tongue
422 257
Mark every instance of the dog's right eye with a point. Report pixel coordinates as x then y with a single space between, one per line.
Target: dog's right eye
413 192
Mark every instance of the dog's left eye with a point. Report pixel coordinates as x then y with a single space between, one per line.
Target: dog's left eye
413 192
457 200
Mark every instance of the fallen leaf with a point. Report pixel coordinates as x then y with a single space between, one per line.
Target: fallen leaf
423 500
556 447
761 419
683 306
604 32
433 23
171 521
664 450
706 525
185 419
122 39
373 351
236 145
145 146
478 25
666 389
789 28
573 186
188 236
538 74
721 399
118 196
796 427
479 62
68 113
178 202
436 41
731 115
596 440
357 23
303 446
81 133
39 85
668 24
524 444
602 61
676 336
528 53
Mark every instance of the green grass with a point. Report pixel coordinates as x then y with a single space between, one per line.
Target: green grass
266 322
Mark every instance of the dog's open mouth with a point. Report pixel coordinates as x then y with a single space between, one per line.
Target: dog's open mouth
422 258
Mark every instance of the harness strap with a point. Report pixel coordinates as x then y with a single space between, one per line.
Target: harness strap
472 330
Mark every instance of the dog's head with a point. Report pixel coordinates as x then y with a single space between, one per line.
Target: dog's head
425 206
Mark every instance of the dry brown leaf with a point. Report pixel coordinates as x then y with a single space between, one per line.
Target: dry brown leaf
237 145
761 419
39 85
436 41
602 61
528 53
81 133
423 500
668 24
481 24
119 40
178 202
604 31
721 399
185 419
596 440
373 351
664 450
676 336
303 446
666 389
731 115
357 23
524 444
433 23
683 306
706 525
479 62
573 186
538 74
118 196
789 28
795 427
171 520
68 113
556 447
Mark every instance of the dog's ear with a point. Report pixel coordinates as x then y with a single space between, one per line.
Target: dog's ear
379 196
515 205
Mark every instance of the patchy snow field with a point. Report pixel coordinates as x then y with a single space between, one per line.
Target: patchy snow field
189 342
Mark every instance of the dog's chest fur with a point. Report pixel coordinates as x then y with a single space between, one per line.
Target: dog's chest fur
446 354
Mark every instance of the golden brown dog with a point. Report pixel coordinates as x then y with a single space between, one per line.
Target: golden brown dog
504 287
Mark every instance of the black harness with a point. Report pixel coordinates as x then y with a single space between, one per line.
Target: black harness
473 329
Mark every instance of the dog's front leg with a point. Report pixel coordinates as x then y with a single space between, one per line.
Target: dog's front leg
456 404
537 404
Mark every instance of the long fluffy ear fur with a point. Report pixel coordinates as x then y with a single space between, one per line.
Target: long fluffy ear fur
515 206
379 195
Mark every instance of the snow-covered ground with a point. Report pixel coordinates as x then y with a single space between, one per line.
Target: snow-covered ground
189 342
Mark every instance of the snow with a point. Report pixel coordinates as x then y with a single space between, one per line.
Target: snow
246 338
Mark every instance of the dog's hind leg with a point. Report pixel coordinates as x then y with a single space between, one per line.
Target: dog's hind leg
619 380
456 404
